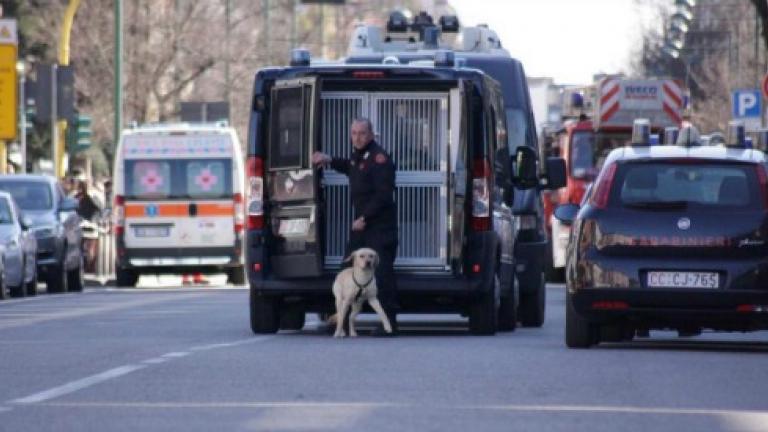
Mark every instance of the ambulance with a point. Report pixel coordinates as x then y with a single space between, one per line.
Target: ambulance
178 203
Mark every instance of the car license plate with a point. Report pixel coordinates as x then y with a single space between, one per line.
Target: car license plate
293 227
151 231
671 279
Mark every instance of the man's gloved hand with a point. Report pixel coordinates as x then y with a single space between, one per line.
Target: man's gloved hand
319 158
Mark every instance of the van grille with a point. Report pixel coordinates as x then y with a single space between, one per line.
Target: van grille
414 130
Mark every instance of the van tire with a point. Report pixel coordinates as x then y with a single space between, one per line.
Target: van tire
265 314
579 332
508 309
126 278
484 311
236 275
293 318
56 280
533 305
31 286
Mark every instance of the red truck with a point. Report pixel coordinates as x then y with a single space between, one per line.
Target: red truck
598 118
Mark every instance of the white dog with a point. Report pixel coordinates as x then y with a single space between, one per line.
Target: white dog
354 286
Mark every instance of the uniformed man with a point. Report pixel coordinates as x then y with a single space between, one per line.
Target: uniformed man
371 175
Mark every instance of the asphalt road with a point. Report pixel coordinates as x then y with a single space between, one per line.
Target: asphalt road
185 359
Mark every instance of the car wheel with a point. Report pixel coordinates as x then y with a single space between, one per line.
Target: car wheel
508 307
126 277
31 286
237 275
75 280
293 318
579 332
265 314
3 288
533 305
56 280
484 311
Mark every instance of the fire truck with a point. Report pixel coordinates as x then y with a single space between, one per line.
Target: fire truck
597 119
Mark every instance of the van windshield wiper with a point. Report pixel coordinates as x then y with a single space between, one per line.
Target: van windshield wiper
660 205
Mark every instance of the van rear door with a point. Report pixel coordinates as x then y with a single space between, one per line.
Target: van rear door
292 183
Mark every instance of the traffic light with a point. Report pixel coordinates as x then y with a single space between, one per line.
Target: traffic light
79 134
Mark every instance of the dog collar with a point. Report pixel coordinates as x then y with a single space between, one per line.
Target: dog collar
362 287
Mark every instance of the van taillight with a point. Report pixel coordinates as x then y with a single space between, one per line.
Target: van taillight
481 210
603 187
237 199
255 170
119 215
762 178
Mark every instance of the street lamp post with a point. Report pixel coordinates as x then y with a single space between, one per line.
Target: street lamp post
20 67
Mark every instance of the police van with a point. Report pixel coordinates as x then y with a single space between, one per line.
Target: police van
417 40
446 130
178 201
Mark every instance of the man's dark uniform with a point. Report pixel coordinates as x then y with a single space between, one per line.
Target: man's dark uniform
371 175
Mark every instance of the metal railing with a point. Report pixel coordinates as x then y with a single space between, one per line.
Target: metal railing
100 266
413 128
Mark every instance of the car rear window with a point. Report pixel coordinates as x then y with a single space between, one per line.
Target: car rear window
681 184
29 195
178 178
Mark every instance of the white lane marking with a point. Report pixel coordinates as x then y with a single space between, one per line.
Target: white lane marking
80 384
92 380
176 354
734 413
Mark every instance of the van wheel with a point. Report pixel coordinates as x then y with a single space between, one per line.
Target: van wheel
56 280
508 308
293 318
265 314
579 333
75 280
484 312
533 305
126 278
237 275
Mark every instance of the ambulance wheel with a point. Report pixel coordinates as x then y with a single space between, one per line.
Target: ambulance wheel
237 275
126 277
265 314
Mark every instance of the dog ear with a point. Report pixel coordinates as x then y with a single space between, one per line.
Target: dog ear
349 258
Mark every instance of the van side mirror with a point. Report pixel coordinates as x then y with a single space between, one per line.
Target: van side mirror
25 222
555 177
566 213
524 164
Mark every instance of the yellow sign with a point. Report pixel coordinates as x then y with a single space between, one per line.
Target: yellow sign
8 92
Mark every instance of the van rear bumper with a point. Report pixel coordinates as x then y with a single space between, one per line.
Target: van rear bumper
411 284
180 257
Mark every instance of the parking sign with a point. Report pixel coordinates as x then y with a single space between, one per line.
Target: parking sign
747 106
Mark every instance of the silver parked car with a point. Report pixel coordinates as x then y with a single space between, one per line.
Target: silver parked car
18 251
55 225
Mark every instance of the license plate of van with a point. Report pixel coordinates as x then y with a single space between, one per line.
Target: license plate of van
151 231
293 227
674 279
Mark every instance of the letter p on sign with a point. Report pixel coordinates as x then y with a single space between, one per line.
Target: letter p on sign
746 104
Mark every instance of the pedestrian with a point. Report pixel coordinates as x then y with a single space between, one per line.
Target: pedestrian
89 210
371 175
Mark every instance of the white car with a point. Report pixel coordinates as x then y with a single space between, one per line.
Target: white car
18 251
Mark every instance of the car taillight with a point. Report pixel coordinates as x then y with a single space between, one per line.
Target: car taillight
237 199
119 215
603 187
762 178
481 210
255 170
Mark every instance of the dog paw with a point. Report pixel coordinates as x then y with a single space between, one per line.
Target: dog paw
338 335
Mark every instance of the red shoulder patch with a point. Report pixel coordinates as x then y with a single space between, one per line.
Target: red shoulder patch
380 158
